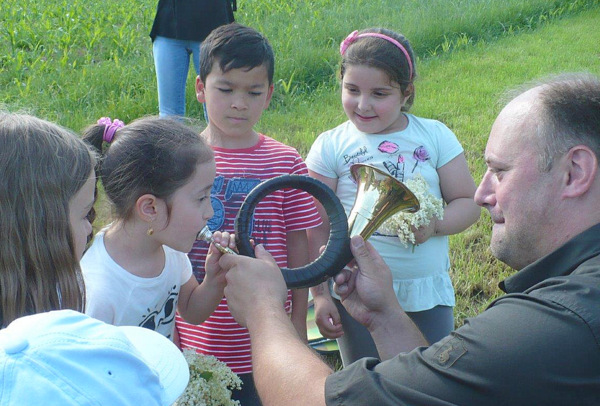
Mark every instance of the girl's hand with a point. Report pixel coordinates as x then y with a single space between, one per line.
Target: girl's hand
224 239
214 273
423 233
327 317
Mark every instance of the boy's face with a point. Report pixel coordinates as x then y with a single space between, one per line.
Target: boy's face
234 100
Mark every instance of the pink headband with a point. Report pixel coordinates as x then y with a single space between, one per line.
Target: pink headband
110 128
355 35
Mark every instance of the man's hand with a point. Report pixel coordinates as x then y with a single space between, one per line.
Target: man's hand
366 290
256 294
253 285
368 295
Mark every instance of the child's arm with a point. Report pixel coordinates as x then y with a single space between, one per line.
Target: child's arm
327 316
198 301
458 189
297 249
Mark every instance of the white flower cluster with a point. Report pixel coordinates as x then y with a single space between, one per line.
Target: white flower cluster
211 382
402 223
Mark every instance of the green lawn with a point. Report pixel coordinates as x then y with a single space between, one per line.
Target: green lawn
74 61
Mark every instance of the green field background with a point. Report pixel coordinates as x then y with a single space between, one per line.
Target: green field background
74 61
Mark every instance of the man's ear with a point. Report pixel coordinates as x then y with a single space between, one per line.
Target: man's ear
581 171
200 96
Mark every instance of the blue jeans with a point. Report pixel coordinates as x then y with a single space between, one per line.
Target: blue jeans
172 62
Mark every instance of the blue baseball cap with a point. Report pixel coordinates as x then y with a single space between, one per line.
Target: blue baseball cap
67 358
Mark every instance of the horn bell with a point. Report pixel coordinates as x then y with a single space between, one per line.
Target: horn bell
378 197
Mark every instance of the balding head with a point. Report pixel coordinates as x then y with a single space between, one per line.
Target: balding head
567 113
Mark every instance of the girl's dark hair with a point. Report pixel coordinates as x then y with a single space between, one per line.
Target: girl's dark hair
42 167
150 155
382 54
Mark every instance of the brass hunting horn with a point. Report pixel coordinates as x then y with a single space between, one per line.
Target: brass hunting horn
379 196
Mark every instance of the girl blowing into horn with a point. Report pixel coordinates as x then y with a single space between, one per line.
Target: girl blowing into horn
157 174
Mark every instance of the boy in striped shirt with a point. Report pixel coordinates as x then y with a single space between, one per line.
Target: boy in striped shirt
236 85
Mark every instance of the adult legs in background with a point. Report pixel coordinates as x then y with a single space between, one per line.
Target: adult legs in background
357 343
172 61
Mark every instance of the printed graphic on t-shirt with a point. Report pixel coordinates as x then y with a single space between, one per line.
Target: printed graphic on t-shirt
163 314
234 194
395 164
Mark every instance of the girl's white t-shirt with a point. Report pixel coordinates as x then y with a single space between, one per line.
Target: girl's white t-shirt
118 297
421 279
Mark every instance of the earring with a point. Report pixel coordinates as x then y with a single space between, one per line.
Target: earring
150 230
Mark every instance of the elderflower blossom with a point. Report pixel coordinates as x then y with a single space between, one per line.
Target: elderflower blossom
402 223
211 382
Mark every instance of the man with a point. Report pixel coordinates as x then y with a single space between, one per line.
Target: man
537 345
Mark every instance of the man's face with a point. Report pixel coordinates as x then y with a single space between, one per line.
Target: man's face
519 196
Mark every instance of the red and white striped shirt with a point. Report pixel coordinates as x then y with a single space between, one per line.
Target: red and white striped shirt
283 211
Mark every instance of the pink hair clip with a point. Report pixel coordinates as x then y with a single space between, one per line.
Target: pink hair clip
110 128
354 35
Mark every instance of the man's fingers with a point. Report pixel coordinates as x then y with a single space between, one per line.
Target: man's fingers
358 247
345 282
366 257
228 261
262 253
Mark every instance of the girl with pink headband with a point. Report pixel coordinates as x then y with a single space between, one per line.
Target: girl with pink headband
378 73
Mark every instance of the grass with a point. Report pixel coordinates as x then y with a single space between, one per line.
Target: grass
565 45
73 61
435 32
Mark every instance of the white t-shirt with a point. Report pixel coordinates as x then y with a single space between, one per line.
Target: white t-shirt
118 297
421 279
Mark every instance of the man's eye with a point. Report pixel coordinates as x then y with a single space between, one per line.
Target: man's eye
496 172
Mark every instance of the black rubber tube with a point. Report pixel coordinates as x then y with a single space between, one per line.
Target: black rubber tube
337 251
